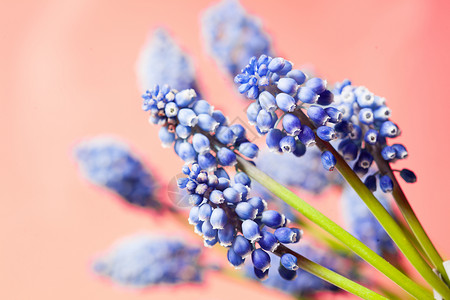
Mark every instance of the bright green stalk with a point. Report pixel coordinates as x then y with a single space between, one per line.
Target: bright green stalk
336 245
330 241
408 213
324 222
382 215
330 276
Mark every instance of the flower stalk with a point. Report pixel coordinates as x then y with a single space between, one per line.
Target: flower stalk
385 219
324 222
408 213
343 236
330 276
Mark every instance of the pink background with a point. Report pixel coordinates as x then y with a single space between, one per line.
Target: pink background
67 72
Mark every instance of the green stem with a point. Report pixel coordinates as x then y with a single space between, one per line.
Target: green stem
330 241
336 245
330 276
391 295
408 213
324 222
410 235
307 265
382 215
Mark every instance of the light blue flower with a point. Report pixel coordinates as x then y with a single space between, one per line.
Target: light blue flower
162 61
108 162
144 260
232 36
281 93
370 130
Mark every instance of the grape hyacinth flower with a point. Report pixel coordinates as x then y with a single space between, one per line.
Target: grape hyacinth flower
277 90
232 36
368 120
110 163
363 225
222 211
280 93
294 112
354 115
161 61
145 260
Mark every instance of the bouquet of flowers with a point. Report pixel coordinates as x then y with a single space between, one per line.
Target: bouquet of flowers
242 192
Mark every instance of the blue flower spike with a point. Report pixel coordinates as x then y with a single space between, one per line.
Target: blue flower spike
109 163
283 91
146 260
232 37
222 210
366 131
162 61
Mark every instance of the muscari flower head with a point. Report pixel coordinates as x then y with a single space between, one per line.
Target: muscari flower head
145 260
110 163
364 226
232 36
222 210
304 284
367 119
280 95
162 61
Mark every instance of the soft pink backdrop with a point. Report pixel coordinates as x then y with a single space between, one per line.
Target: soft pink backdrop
67 72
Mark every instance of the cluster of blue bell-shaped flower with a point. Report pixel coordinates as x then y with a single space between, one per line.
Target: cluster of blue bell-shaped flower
224 213
232 36
145 260
364 226
367 117
187 122
221 209
280 92
109 163
162 61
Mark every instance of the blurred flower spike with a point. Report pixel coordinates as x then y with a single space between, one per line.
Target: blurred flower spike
109 163
232 36
162 60
145 260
